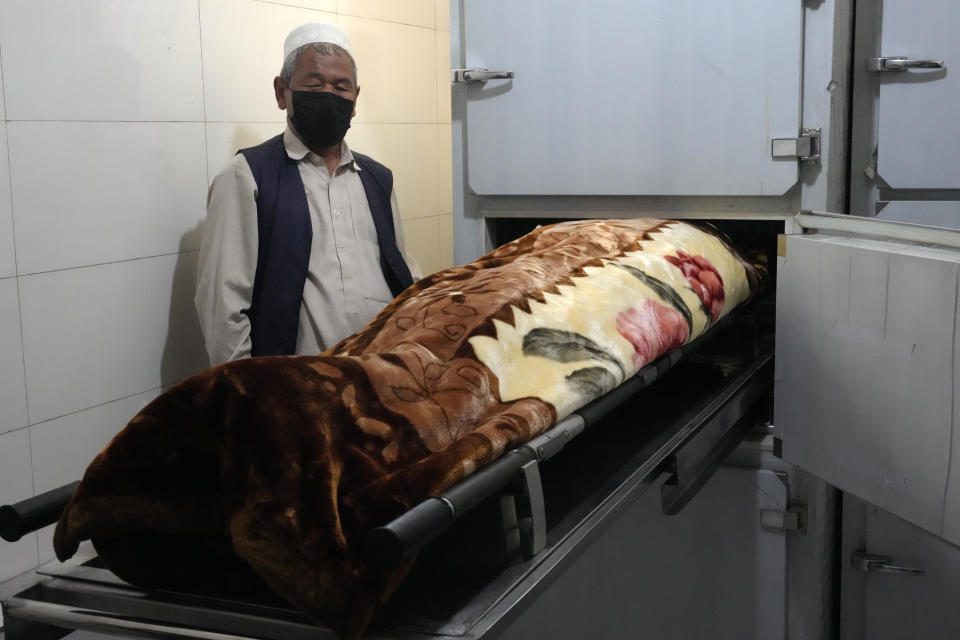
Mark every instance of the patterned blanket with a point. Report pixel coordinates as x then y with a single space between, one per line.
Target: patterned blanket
269 471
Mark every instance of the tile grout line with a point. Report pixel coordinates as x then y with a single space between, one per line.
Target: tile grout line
4 93
337 12
203 98
98 405
109 262
13 243
23 356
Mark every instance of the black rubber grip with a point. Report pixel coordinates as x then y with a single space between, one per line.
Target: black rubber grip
484 483
26 516
399 538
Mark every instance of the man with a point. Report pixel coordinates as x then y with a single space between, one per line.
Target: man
302 244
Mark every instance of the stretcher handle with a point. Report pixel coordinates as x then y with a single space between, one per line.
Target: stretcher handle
26 516
399 539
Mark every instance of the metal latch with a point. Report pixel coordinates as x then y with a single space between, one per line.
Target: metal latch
901 63
876 563
524 513
805 148
794 519
480 75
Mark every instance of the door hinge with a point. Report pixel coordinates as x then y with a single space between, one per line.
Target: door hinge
805 148
794 519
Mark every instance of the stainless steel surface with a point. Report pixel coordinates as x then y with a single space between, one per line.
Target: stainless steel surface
876 563
534 526
901 63
792 519
700 456
805 148
480 75
874 228
92 620
867 358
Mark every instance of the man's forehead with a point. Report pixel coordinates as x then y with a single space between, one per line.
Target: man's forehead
311 62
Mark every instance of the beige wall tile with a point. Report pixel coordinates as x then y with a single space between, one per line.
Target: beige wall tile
446 241
133 327
443 15
94 192
8 266
410 151
13 392
16 484
422 238
3 109
87 431
421 13
443 76
445 167
318 5
243 52
397 70
224 139
132 60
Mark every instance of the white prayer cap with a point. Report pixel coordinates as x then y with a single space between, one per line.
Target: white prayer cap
314 32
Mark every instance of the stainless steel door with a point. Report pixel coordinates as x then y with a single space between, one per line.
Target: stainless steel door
918 125
898 601
632 98
905 125
868 358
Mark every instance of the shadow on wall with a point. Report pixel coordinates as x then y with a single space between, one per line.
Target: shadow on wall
184 353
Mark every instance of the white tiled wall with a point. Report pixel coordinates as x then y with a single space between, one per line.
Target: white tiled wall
13 395
114 116
101 60
150 179
131 327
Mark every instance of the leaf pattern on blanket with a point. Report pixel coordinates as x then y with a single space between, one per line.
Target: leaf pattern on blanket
665 291
592 382
566 346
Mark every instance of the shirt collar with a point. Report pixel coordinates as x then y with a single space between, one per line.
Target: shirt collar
296 150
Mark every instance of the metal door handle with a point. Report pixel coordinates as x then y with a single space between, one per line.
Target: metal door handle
875 563
479 75
900 63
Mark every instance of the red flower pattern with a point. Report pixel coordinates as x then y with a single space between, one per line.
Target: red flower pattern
653 329
704 279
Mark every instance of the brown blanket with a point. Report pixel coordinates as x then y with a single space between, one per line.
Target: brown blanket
273 469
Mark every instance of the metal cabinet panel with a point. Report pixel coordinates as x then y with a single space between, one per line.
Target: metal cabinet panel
865 387
918 127
935 213
710 571
908 606
632 98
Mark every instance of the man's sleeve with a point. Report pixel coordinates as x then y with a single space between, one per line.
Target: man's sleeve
412 263
228 263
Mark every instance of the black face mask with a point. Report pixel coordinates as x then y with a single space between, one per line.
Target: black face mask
320 117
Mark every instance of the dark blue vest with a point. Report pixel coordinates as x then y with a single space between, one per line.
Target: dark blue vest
285 236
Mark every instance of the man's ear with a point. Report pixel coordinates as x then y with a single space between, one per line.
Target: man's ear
355 103
279 91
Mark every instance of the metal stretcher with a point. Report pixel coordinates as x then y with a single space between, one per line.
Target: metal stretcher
490 545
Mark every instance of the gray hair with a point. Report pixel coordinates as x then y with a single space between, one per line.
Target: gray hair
323 48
